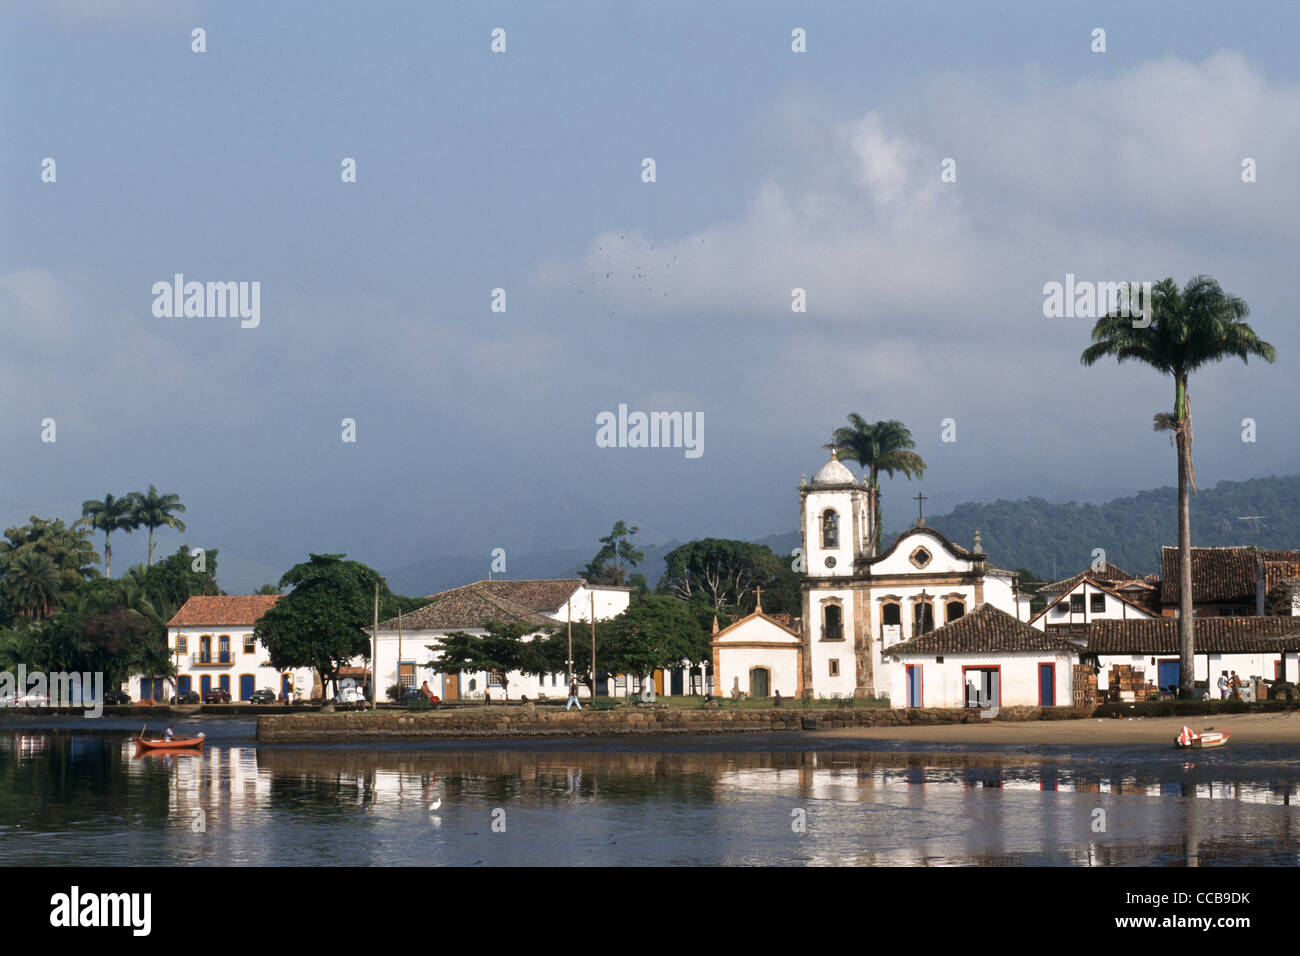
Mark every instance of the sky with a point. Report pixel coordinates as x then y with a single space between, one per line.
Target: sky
523 171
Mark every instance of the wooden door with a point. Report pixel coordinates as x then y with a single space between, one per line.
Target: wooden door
451 687
758 683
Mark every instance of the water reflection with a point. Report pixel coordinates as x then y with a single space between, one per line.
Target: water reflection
83 798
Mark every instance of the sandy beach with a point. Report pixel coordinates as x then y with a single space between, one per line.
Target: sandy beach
1274 728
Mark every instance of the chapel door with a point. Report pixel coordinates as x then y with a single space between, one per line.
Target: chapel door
758 682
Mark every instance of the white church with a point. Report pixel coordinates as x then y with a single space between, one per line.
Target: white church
927 623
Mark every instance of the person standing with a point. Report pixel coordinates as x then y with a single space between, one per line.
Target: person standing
573 697
1223 685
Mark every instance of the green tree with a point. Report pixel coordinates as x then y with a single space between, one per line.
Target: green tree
151 510
321 622
111 514
615 559
69 550
501 650
31 585
656 632
1181 331
883 447
721 571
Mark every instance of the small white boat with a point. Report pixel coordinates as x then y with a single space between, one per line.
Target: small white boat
1189 740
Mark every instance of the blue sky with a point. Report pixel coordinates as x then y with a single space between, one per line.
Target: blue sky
521 170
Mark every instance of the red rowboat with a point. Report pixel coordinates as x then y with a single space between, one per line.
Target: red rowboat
180 743
1189 740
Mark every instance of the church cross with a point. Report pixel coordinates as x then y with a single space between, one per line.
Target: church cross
920 500
758 600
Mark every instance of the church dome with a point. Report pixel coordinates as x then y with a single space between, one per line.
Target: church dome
833 473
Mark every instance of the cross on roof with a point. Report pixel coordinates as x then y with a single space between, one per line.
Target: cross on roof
758 600
920 500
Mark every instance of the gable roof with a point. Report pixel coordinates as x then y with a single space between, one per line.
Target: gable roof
1212 635
984 630
956 550
1146 610
1108 574
223 610
772 619
1219 575
468 606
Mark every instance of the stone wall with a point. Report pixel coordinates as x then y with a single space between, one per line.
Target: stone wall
622 722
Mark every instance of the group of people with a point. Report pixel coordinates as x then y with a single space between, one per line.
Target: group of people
1229 684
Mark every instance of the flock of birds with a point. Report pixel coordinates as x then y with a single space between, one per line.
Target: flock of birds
600 287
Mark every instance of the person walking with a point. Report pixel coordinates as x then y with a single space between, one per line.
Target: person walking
573 697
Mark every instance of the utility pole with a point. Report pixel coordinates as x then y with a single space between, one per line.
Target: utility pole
568 663
374 655
593 648
399 651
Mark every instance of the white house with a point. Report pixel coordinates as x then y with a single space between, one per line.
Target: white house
1072 609
212 646
1267 647
984 659
759 655
403 654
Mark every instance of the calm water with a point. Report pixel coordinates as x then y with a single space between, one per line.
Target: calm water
72 797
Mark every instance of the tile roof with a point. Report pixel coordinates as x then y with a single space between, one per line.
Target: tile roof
1213 635
223 610
540 595
1109 574
468 606
985 629
1227 575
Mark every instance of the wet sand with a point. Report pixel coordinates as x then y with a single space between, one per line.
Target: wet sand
1275 728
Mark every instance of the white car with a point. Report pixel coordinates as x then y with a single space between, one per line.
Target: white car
351 697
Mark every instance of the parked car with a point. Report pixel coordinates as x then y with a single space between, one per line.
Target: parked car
187 697
217 695
263 696
350 698
33 700
115 697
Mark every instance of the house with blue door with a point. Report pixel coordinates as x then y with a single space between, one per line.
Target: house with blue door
985 659
1262 647
213 648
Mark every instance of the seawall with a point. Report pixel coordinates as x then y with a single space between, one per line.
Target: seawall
293 728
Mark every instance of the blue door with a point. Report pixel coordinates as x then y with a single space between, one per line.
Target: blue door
286 683
913 685
205 683
1046 685
1170 672
183 683
245 686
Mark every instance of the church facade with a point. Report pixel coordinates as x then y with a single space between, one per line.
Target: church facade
857 604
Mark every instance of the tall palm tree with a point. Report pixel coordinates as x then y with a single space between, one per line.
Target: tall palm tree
32 585
882 447
111 514
152 510
1189 328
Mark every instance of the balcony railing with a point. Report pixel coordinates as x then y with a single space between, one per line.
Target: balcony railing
212 659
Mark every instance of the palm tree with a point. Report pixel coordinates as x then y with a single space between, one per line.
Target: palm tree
152 510
111 514
1188 328
32 585
882 447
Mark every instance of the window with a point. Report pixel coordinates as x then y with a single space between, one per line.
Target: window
205 649
473 685
953 610
920 557
182 643
830 529
496 679
223 649
835 668
250 644
832 622
406 674
1076 603
922 617
891 614
1098 604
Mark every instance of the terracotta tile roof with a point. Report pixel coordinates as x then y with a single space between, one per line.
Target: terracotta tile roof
468 606
1227 575
788 621
984 630
223 610
1109 574
1213 635
542 595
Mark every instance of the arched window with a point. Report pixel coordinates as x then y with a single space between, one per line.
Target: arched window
891 614
832 622
830 529
954 606
922 616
